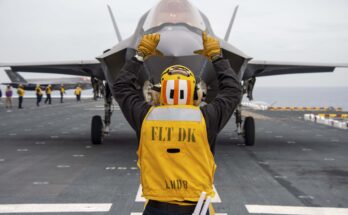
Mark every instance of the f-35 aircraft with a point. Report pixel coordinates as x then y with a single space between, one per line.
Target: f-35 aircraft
30 84
180 25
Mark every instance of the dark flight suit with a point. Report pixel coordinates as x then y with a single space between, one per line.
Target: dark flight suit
216 114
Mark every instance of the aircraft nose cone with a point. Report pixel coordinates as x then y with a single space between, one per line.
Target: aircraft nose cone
179 42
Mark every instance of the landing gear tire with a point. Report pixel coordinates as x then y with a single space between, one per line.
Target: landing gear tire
97 130
249 131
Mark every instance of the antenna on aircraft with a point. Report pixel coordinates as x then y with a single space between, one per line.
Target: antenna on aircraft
231 23
118 34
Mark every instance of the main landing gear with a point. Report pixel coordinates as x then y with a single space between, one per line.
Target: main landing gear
100 128
246 127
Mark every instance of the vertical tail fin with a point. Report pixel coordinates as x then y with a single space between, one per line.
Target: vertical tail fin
231 23
118 34
15 76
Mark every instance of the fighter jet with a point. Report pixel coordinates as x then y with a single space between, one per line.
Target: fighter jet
180 25
30 84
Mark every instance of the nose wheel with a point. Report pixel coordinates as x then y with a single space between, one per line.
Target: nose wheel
97 130
249 131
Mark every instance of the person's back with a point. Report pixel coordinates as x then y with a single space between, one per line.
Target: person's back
20 91
38 90
169 135
177 138
48 90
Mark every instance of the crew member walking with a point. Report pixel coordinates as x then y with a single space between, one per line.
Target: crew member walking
48 94
20 92
62 92
78 92
38 91
9 93
176 135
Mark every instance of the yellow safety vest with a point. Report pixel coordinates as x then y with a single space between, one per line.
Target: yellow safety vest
62 90
78 91
20 92
38 90
174 156
48 90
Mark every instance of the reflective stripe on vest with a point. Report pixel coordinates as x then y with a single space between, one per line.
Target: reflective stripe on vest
175 114
175 160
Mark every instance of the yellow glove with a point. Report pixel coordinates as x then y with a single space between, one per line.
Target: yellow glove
148 45
211 47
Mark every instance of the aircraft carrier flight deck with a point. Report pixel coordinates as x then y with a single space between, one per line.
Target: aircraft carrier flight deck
49 166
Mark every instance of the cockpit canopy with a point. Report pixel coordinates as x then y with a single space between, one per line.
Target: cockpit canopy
174 11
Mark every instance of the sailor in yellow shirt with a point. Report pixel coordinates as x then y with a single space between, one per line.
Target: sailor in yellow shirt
38 91
176 135
78 92
62 92
48 94
20 92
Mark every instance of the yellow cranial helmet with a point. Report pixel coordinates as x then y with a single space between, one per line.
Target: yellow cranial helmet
177 86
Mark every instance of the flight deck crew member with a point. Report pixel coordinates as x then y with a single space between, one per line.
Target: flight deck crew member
20 92
38 91
48 91
62 92
78 92
172 181
8 93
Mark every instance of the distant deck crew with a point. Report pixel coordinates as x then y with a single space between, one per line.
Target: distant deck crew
176 126
62 92
20 92
48 91
78 92
8 94
38 92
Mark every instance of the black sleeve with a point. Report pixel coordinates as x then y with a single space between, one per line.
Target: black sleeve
218 112
129 98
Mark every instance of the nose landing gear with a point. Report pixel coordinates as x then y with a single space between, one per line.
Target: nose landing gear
246 127
249 131
97 133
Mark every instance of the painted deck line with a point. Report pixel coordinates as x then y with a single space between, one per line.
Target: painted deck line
139 197
137 213
54 208
293 210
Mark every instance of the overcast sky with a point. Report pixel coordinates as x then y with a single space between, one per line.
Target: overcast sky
286 30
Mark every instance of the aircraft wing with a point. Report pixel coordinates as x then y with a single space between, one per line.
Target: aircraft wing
80 68
257 68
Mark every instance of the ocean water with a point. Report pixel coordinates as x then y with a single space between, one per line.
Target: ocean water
303 96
